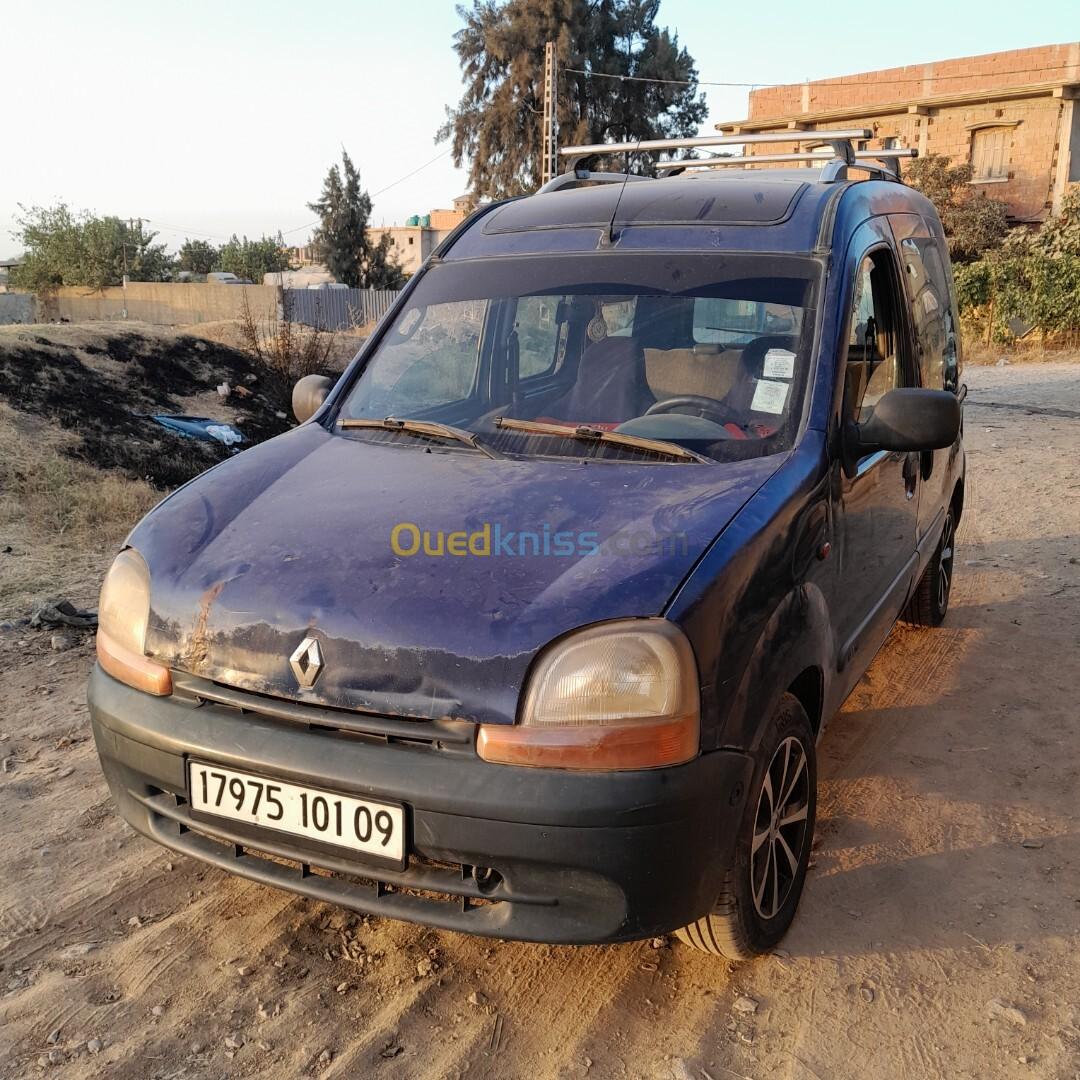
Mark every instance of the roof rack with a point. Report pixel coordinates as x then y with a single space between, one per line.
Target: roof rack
843 155
889 165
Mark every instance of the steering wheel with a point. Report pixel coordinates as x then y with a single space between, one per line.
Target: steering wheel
697 405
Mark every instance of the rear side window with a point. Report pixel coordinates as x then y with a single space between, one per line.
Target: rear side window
933 312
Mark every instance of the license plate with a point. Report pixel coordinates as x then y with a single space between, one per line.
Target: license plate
370 828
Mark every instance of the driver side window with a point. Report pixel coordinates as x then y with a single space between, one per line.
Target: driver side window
874 362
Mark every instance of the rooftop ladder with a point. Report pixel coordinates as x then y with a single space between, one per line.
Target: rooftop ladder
841 155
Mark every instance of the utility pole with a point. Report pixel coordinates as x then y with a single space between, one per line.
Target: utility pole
131 228
550 135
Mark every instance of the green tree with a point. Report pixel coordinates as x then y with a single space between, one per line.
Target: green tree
973 223
496 124
252 258
197 256
64 247
342 239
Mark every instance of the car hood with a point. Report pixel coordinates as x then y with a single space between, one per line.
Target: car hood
293 538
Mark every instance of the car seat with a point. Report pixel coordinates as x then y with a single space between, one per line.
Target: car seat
610 385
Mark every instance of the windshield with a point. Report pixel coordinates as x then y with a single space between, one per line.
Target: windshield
707 351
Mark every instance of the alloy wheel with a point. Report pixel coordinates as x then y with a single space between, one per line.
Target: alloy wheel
779 828
945 563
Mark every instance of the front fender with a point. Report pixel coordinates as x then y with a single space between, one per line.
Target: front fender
793 649
755 606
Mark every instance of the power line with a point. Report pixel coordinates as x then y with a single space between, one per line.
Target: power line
834 80
400 179
299 228
665 82
183 229
373 194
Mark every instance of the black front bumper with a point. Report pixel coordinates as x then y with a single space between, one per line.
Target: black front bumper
577 857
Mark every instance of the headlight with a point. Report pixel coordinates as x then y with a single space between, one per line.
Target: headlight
622 695
123 612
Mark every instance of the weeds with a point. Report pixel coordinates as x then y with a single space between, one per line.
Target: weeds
287 349
62 518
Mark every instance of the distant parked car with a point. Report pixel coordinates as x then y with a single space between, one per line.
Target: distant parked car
223 277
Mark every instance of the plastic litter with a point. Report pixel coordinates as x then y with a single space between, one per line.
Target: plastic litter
202 428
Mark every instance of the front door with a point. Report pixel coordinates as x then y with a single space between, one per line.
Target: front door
876 515
933 323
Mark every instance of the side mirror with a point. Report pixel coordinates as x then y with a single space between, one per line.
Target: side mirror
308 395
907 420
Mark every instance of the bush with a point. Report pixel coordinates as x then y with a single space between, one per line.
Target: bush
973 223
1033 278
288 350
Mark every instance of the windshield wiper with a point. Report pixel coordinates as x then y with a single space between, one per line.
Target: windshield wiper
423 427
615 438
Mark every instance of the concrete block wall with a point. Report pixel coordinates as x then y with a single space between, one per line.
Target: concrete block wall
166 303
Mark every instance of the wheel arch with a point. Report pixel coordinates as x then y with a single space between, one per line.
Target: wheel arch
957 501
809 688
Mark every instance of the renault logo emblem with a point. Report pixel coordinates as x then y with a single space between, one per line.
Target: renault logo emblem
307 662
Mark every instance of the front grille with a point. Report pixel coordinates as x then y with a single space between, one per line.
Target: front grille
425 885
449 735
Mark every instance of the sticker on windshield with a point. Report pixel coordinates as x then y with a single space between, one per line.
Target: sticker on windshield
779 364
769 397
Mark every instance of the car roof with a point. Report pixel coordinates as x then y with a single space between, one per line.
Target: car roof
766 210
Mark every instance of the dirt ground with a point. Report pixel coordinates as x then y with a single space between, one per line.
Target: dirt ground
937 937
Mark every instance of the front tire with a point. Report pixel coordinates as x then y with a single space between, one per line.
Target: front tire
760 890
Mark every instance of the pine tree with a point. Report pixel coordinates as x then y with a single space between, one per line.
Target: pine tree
342 239
496 125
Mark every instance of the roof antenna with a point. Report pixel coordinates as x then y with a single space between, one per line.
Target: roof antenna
610 236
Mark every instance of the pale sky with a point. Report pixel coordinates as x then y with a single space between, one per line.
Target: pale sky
213 118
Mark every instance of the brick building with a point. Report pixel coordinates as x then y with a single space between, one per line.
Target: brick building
1014 115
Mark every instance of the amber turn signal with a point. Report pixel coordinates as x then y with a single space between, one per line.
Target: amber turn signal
637 745
132 669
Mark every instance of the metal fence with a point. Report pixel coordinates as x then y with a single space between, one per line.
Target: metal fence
17 308
338 309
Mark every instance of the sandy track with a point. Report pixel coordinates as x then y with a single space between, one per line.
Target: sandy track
947 874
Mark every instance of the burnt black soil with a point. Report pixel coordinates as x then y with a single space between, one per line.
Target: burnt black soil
60 383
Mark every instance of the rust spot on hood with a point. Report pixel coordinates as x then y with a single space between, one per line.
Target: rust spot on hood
196 650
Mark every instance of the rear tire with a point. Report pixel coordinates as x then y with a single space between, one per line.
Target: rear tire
929 604
760 890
